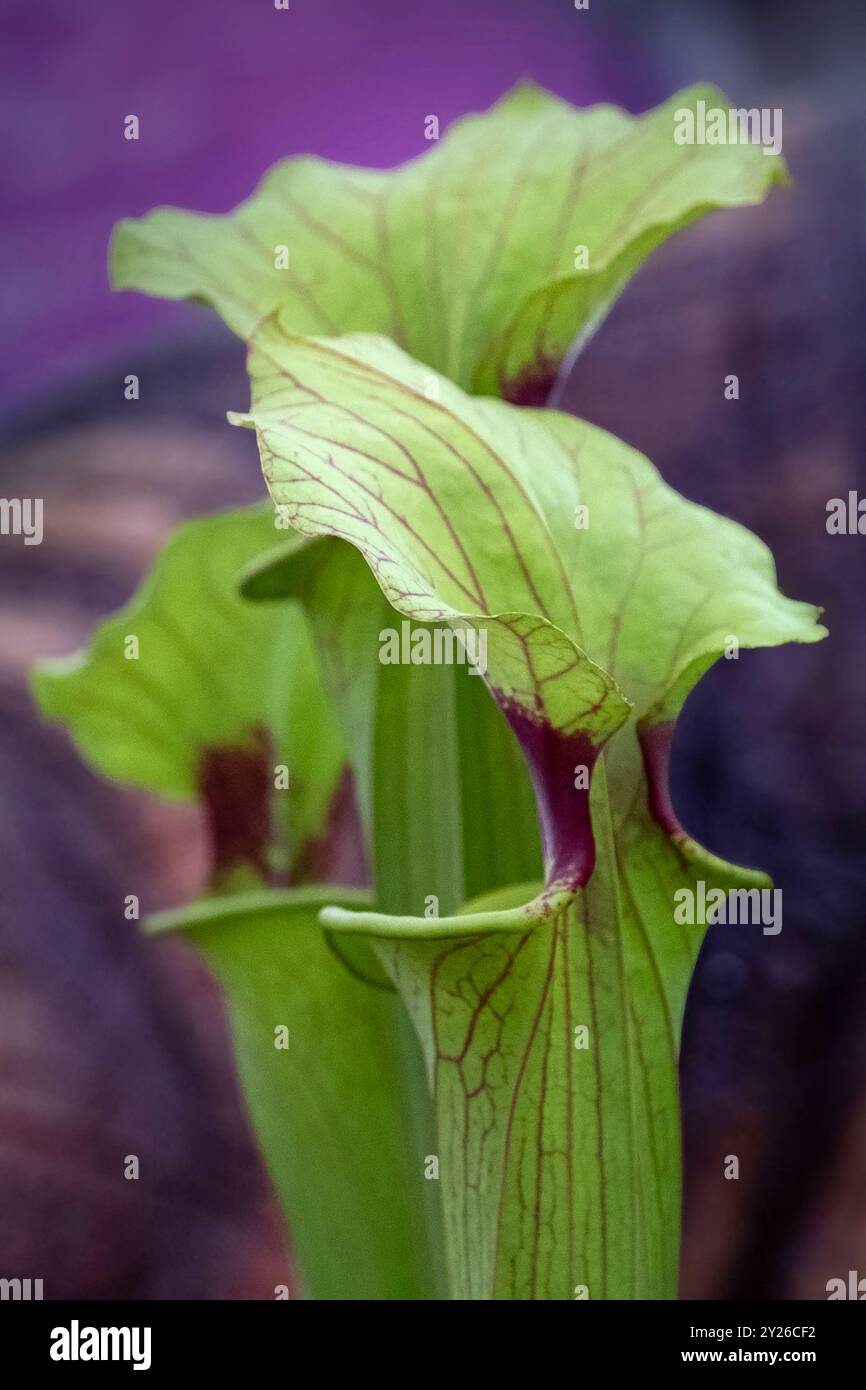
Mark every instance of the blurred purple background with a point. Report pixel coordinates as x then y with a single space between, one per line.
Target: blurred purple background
222 91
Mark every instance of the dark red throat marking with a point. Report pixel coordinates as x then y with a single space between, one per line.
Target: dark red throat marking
563 808
533 386
236 788
656 742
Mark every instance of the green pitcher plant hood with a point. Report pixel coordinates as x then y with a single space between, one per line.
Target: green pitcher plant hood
600 594
549 1015
485 258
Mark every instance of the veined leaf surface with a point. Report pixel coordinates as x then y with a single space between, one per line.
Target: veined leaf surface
466 512
485 258
559 1162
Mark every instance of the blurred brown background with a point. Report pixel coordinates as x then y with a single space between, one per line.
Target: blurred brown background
108 1047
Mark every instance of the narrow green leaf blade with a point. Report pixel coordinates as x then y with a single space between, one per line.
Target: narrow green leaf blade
320 1057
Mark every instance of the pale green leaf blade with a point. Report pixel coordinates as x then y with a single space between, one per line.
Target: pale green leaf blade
216 696
672 582
484 258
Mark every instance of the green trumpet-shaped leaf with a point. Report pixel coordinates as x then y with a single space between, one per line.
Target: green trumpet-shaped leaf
552 1058
550 1018
215 701
323 1063
485 258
